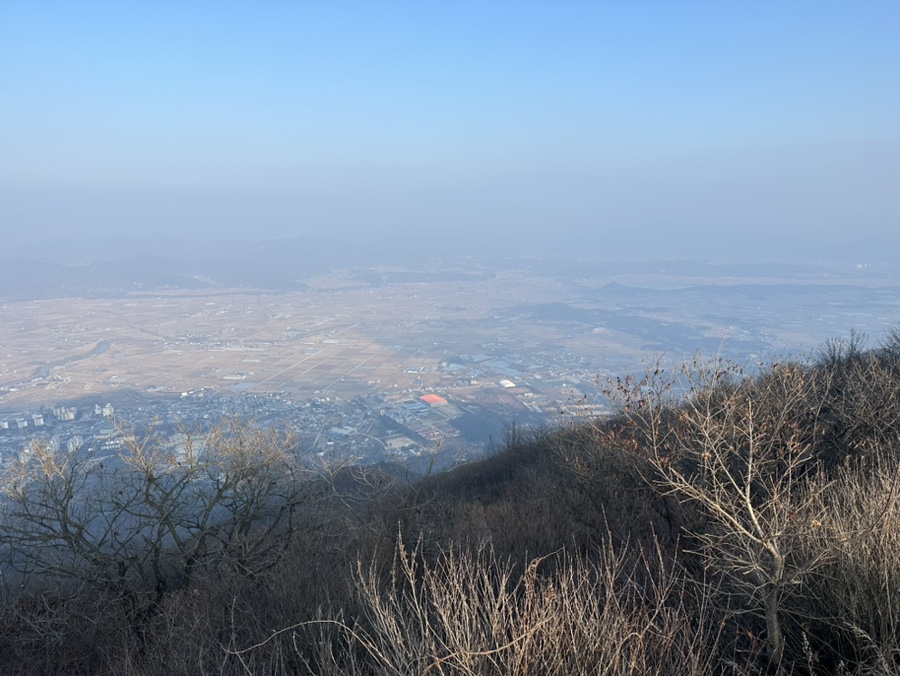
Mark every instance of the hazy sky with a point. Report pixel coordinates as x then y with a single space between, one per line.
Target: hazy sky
683 127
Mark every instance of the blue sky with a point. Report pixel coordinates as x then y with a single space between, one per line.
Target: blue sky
688 126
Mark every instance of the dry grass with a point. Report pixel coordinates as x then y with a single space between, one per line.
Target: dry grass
852 604
469 613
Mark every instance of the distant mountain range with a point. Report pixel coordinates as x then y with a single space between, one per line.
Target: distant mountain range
110 267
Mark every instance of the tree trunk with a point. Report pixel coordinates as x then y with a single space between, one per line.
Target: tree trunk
774 637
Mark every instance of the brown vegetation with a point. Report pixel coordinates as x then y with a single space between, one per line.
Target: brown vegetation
721 522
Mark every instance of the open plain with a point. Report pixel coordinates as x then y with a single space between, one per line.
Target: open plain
354 332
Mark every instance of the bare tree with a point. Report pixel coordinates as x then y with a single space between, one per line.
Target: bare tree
738 448
146 518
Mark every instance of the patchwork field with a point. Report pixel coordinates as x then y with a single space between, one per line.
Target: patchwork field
351 334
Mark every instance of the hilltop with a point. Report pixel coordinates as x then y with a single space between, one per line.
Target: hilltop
719 521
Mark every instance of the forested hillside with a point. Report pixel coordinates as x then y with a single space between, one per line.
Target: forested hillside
723 520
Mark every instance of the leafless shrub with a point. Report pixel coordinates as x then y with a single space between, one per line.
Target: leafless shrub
757 456
470 613
852 604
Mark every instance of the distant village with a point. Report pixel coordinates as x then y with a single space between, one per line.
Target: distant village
459 420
